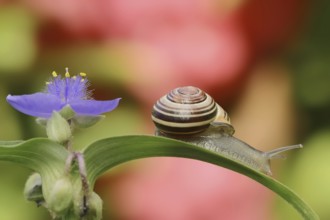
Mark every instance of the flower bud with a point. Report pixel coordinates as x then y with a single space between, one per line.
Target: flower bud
94 207
33 189
58 129
60 197
92 210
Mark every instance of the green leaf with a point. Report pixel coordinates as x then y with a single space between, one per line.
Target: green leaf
10 143
39 154
107 153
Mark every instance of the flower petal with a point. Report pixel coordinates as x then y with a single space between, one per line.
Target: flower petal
93 107
37 104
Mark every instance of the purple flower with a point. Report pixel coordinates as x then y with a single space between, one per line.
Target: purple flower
61 92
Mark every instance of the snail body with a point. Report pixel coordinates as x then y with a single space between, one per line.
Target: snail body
191 115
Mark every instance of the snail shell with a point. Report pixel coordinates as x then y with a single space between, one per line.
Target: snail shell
187 110
191 115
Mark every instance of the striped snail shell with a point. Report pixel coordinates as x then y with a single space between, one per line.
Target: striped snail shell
188 110
189 114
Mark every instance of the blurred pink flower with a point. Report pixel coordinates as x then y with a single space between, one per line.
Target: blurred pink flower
168 42
177 189
271 25
120 17
201 55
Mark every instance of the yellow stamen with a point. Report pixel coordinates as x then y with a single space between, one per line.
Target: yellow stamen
54 74
67 74
47 83
83 74
74 77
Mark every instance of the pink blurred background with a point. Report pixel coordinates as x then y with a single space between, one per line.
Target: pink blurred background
139 50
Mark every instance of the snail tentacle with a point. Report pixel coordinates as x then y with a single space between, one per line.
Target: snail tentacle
276 153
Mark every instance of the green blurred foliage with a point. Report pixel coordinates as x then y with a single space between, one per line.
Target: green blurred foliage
12 130
309 173
310 60
309 176
18 46
123 121
12 203
99 61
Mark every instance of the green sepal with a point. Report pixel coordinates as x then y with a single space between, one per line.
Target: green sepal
67 112
42 121
107 153
85 121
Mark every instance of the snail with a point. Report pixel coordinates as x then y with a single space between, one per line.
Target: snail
191 115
